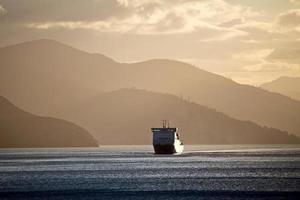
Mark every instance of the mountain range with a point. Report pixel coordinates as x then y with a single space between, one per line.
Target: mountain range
49 78
125 117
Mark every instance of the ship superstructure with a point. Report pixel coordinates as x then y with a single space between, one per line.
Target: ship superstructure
166 140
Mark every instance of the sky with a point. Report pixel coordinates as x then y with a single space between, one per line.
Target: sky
248 41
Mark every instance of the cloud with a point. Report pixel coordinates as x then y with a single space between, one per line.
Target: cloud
289 19
266 66
253 56
258 61
33 11
123 3
286 54
284 27
140 4
161 17
2 10
227 34
297 2
254 27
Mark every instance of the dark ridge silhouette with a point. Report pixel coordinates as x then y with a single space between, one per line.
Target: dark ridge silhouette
126 116
288 86
20 129
46 77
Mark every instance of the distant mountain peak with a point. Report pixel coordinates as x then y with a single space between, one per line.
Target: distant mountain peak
39 43
50 46
285 85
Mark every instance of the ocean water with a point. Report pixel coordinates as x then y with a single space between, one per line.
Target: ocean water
134 172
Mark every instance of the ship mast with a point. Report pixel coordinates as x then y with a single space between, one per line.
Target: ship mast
165 123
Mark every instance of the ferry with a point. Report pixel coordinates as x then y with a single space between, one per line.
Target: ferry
166 140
